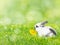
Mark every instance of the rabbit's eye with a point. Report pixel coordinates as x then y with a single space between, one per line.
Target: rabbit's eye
37 26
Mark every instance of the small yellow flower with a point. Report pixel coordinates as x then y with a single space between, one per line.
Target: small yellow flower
32 32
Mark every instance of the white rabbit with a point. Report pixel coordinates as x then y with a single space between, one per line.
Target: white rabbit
43 30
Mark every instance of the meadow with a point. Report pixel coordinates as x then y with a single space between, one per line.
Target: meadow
18 17
20 35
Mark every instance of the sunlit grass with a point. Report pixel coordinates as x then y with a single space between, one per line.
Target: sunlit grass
18 17
24 35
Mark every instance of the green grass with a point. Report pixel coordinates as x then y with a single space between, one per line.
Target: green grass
28 12
19 35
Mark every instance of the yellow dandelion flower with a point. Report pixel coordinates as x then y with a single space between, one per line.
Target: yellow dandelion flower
32 32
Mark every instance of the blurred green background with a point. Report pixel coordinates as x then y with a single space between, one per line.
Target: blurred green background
18 17
27 11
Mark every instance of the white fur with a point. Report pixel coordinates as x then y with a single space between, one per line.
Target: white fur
43 31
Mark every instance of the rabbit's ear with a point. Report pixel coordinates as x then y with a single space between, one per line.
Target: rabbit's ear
53 31
44 22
